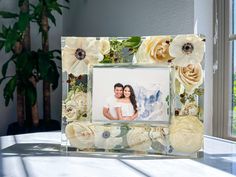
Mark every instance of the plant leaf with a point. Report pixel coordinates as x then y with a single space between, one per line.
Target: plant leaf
43 64
132 42
31 94
1 44
5 66
23 21
53 75
9 90
11 38
6 14
52 18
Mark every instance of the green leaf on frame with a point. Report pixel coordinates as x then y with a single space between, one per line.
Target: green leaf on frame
52 18
23 21
6 14
31 94
9 89
132 42
123 130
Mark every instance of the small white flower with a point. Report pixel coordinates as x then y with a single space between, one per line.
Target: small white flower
106 137
187 49
80 135
78 53
186 134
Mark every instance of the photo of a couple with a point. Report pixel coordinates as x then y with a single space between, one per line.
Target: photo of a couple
122 105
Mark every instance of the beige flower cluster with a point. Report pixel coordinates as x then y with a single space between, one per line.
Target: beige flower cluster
75 107
181 51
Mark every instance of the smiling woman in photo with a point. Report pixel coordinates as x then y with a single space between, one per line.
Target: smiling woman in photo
126 107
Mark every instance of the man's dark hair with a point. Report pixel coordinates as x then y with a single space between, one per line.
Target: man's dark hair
118 85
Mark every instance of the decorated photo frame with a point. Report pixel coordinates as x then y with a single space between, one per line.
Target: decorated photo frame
133 94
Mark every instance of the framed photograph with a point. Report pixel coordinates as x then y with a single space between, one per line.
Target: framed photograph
133 94
130 93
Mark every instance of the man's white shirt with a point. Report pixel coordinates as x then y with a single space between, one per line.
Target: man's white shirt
111 103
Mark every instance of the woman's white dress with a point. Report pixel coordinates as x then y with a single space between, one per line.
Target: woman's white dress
127 109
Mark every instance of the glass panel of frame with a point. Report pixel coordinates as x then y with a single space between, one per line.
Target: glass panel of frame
134 94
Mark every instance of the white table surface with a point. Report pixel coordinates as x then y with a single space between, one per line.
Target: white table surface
37 155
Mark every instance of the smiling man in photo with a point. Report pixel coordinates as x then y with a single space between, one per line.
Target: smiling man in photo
109 111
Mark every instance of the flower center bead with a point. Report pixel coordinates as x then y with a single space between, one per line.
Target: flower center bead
187 48
106 134
80 54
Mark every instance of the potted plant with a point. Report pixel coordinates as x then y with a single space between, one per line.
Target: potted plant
31 66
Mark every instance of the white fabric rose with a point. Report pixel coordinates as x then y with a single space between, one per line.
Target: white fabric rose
190 76
78 53
154 49
186 134
138 139
104 46
69 110
80 135
187 49
106 137
81 101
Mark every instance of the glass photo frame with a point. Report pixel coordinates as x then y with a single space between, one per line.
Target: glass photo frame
134 94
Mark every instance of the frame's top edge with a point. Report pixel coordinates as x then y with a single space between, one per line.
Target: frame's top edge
143 37
132 65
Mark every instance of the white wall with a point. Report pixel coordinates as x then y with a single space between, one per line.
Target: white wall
128 17
203 24
8 114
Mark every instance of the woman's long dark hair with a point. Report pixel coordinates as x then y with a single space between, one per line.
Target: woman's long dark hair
132 97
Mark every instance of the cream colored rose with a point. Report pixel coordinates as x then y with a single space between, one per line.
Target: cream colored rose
138 139
186 134
190 76
104 46
69 110
80 135
106 137
190 108
154 49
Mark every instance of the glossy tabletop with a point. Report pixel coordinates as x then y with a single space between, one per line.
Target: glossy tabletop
38 155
